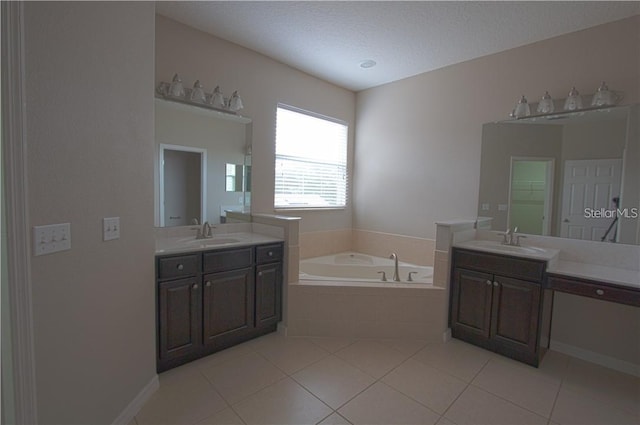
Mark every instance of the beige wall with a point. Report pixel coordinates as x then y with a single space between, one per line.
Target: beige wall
89 112
418 140
262 83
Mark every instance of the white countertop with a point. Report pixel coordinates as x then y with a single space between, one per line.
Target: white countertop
176 245
535 253
605 274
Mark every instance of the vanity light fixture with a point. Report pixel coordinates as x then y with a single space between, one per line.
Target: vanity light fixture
603 98
235 103
175 91
217 99
545 106
197 94
522 108
574 100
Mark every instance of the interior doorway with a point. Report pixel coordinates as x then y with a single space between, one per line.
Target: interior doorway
182 185
531 195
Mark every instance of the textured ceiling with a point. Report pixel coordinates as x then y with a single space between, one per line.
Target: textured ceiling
330 39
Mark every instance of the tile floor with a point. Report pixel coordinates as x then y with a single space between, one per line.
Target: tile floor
278 380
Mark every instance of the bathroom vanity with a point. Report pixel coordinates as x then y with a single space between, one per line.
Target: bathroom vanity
502 296
499 302
215 297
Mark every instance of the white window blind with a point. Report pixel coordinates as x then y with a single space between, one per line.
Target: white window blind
311 161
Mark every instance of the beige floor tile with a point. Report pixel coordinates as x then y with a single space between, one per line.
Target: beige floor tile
372 357
455 357
406 346
184 397
335 419
332 344
284 402
381 404
427 385
243 376
226 417
221 356
573 408
476 406
445 421
608 385
132 422
521 384
333 380
554 365
292 354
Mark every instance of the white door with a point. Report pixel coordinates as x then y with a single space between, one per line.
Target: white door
589 185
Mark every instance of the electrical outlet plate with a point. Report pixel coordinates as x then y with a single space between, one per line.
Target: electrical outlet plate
110 228
51 238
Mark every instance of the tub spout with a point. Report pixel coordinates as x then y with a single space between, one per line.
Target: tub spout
396 276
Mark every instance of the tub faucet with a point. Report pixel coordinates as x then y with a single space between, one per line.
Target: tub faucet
394 257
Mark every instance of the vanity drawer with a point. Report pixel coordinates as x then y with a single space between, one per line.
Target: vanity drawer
174 267
269 253
589 288
228 259
499 264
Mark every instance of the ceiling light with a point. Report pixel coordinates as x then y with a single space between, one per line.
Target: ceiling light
367 64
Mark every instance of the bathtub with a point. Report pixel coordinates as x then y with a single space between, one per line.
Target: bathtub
354 269
342 295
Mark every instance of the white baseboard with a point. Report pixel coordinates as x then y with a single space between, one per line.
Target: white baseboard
446 335
136 404
597 358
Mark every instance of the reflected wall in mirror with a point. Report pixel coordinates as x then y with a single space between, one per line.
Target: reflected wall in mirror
217 139
567 175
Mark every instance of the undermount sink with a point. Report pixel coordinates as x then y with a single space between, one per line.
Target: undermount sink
498 247
214 241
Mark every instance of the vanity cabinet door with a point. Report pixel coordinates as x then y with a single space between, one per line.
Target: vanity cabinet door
514 321
268 294
228 307
180 303
471 305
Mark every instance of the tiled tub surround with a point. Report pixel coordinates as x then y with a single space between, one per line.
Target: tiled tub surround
409 249
340 308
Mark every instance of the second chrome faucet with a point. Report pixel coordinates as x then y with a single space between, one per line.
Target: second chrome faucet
396 276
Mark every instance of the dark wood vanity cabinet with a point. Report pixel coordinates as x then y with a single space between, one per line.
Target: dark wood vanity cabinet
211 300
499 303
268 285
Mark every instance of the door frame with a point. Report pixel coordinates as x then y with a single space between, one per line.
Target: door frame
549 184
14 169
203 179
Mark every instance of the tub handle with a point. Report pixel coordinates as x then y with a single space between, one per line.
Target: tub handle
409 278
384 276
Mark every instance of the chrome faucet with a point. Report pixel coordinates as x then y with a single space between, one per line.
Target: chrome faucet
512 238
205 232
396 276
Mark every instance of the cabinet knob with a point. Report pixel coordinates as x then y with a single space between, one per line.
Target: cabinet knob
270 254
599 292
259 273
495 283
180 267
208 283
489 282
194 286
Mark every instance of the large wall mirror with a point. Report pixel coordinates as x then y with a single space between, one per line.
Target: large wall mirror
203 166
570 175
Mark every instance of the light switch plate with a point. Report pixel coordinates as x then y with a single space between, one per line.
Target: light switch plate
110 228
485 207
51 238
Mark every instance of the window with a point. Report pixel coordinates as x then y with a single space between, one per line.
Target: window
311 160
